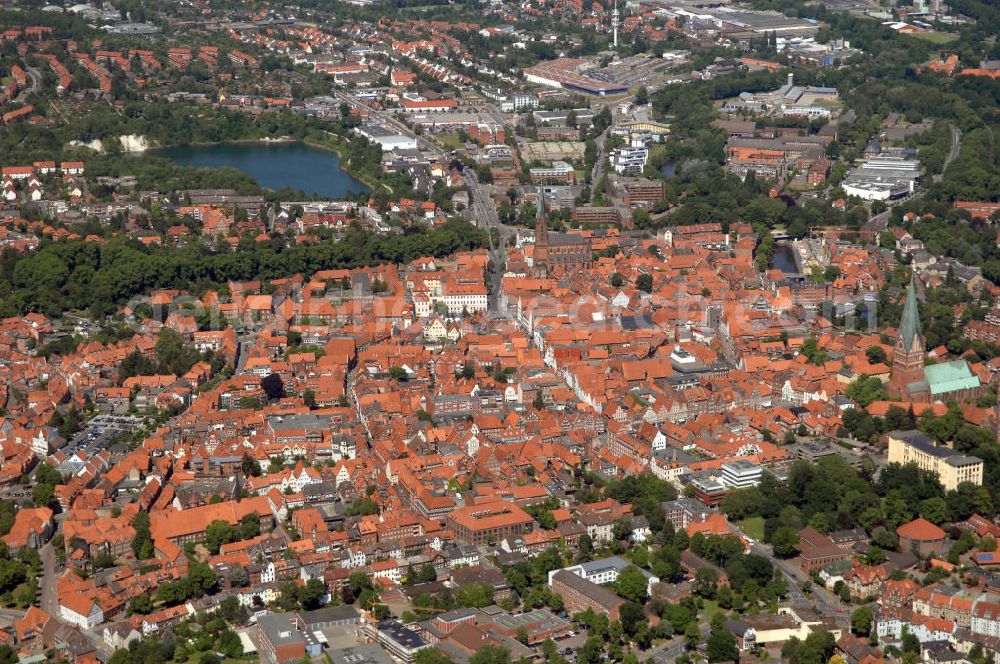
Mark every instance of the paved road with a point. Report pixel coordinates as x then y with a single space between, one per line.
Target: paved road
825 601
667 652
880 221
243 347
956 147
36 81
389 120
50 592
481 208
356 404
602 160
484 215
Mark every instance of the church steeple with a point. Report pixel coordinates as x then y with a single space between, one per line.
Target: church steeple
541 234
909 323
908 353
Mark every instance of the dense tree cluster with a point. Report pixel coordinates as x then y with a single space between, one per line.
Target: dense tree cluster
222 532
542 512
528 577
752 578
200 581
19 576
8 512
171 355
206 638
145 651
866 389
817 648
645 492
67 424
142 544
360 590
76 275
831 495
309 596
46 479
722 647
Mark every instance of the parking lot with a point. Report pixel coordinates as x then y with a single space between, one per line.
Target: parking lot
98 433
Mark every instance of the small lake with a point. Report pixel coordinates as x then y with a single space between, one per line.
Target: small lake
273 165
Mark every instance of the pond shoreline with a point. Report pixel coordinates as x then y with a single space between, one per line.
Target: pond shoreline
309 173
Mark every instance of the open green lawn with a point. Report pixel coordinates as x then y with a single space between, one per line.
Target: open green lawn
710 607
936 37
753 527
451 141
799 186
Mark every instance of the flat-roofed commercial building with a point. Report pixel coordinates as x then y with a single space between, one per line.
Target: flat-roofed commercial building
283 637
883 177
539 625
401 641
591 214
559 171
640 191
708 490
370 653
741 474
386 138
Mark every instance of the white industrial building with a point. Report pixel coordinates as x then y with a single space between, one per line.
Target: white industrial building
387 139
884 177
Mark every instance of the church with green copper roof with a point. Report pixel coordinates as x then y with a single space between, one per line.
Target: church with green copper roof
914 382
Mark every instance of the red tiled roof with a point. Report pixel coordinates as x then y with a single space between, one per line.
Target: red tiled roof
920 530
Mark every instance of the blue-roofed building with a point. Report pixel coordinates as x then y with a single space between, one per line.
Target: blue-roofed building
950 377
401 641
986 558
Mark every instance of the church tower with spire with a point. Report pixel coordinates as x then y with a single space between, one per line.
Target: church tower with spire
541 259
557 253
909 351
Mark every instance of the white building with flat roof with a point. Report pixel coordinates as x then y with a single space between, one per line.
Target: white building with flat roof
883 177
387 139
741 474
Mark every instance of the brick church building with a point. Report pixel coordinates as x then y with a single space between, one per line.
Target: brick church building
554 251
911 380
